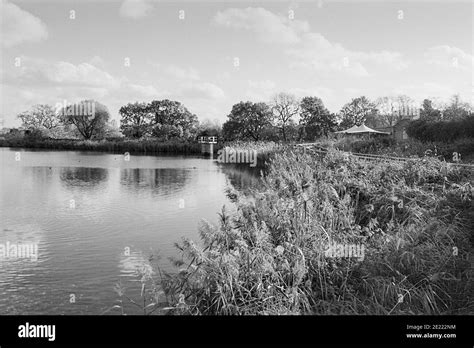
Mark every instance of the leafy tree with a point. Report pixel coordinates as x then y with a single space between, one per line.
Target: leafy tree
41 116
171 119
136 120
247 120
112 131
315 119
428 113
356 112
231 130
89 125
284 107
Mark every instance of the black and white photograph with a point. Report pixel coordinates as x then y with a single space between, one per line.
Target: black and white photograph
212 158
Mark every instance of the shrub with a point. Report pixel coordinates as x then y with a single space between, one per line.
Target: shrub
443 131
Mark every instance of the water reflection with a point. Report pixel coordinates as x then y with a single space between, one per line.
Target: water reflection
83 176
81 246
242 178
158 181
38 175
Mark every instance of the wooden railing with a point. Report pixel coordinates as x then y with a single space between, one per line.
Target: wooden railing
377 158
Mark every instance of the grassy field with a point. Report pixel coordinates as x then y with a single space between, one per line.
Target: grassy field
414 222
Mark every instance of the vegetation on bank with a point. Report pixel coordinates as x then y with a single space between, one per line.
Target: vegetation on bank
414 219
120 145
442 131
464 147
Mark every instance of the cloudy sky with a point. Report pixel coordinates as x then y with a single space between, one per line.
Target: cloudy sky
212 54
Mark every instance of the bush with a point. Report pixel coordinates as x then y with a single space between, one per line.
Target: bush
443 131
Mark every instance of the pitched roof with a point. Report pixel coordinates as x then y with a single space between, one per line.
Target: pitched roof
360 129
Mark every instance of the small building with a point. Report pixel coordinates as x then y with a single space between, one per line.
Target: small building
362 130
397 131
207 144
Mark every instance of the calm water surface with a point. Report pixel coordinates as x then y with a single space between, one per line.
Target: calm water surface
83 209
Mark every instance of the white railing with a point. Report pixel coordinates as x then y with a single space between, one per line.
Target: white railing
207 140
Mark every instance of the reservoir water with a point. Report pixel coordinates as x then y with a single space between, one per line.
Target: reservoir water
94 218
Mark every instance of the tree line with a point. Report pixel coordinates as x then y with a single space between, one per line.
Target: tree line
287 118
284 118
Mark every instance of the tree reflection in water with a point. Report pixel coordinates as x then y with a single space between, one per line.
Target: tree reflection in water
159 181
83 176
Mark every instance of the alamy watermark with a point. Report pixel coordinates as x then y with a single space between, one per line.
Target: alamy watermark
10 251
342 250
231 155
81 109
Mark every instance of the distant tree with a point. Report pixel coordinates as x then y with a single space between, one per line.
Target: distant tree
387 112
247 120
315 118
392 109
231 130
89 125
136 120
284 107
406 106
112 131
428 113
456 109
41 116
356 112
171 119
210 128
292 130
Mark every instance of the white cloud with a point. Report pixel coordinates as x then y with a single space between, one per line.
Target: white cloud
268 26
202 90
260 91
449 57
188 83
97 61
38 81
318 54
141 91
39 72
20 26
309 50
135 8
177 72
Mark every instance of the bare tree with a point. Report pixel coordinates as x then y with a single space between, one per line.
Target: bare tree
392 109
284 107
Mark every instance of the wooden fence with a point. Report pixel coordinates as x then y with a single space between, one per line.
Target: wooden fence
375 158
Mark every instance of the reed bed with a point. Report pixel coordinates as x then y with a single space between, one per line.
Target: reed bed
141 146
414 221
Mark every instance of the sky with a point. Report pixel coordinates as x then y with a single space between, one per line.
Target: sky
210 55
